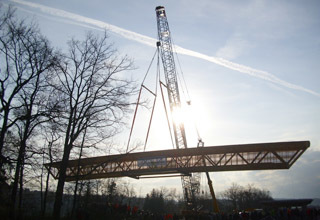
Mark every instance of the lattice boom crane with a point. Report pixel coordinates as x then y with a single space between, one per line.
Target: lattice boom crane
190 184
183 160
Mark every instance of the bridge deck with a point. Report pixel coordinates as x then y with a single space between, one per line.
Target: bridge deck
263 156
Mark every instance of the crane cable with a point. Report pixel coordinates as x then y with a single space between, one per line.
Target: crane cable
200 142
165 109
154 101
183 82
138 100
163 99
187 95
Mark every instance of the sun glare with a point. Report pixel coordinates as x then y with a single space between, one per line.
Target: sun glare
185 115
179 115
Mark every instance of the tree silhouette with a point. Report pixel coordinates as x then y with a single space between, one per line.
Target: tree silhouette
94 96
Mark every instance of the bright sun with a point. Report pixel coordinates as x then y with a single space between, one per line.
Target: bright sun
186 115
180 115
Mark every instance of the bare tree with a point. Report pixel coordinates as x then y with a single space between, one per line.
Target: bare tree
27 58
77 179
245 197
50 153
233 194
95 92
127 191
154 202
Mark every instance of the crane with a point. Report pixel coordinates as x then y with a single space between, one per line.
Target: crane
190 183
183 160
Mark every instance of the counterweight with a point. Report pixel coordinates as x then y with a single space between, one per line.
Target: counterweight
190 184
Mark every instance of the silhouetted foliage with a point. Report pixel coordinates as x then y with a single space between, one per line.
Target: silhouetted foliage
94 96
154 202
27 59
245 198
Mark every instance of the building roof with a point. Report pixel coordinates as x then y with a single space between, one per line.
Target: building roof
287 203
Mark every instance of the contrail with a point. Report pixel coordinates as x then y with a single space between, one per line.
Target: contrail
152 42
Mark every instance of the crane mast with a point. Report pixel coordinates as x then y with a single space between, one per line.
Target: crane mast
190 184
170 74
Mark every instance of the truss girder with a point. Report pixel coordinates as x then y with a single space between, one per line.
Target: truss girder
264 156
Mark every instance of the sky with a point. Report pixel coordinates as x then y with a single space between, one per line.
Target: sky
251 69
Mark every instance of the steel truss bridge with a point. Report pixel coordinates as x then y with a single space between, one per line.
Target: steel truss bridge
281 155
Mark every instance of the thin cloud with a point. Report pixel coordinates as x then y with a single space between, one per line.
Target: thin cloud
152 42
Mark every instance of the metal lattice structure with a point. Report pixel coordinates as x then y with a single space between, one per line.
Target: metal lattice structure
170 74
186 162
190 184
281 155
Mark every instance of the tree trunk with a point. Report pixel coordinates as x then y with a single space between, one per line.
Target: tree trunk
45 196
48 178
20 192
61 181
16 180
41 187
2 135
74 199
78 171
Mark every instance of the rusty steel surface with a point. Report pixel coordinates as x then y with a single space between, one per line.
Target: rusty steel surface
280 155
